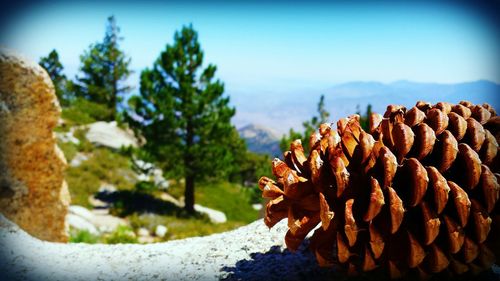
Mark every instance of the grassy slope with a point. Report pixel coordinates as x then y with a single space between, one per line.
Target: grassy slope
230 198
107 166
103 166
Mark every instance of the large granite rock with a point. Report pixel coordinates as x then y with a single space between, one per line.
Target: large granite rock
95 221
33 192
251 252
214 215
108 134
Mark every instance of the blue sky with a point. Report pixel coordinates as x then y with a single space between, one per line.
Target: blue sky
262 46
266 53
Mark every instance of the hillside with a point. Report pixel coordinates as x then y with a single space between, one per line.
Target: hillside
107 183
260 139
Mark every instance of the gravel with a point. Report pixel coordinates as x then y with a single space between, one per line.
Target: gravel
251 252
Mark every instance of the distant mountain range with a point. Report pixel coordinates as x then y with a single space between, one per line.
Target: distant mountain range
260 139
281 111
342 99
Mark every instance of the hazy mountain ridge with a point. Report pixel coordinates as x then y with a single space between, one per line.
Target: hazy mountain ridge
260 139
284 110
343 99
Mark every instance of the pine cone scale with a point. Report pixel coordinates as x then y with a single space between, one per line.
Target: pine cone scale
424 179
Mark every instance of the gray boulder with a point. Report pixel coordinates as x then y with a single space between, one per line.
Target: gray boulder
108 134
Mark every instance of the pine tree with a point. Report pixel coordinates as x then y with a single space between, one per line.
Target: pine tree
310 126
183 114
54 68
104 69
292 135
364 119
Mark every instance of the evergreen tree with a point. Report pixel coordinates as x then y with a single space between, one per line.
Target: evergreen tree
293 135
309 127
364 119
313 124
54 68
104 69
183 114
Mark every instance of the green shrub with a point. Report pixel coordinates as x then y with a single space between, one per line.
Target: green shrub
176 189
81 183
148 221
232 199
69 149
103 166
82 236
83 112
73 117
145 186
180 227
85 145
122 234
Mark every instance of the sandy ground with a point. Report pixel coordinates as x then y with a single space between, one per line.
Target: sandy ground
251 252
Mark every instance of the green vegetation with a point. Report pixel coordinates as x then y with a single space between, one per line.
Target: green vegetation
184 115
122 234
313 125
232 199
184 118
103 71
247 166
82 236
69 149
309 128
181 227
148 210
144 208
54 68
82 112
364 118
102 166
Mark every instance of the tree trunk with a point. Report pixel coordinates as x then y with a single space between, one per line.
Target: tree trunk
114 93
189 195
189 172
114 81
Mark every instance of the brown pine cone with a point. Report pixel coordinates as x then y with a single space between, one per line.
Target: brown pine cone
417 194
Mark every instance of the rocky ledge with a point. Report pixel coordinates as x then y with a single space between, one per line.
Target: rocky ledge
252 252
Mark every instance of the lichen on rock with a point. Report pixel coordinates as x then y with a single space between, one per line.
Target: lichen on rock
33 192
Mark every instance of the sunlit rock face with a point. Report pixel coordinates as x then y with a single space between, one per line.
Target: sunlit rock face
33 192
251 252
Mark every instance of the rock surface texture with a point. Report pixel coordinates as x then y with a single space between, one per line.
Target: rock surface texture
94 221
108 134
33 192
252 252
